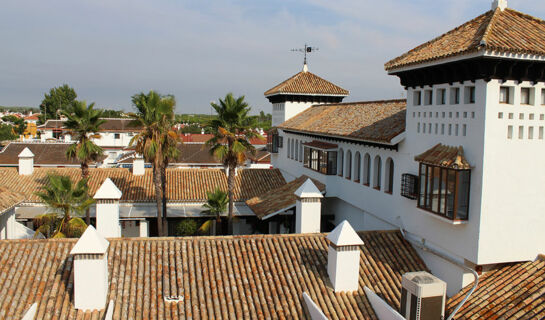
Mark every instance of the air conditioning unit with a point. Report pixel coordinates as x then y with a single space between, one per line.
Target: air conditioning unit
422 296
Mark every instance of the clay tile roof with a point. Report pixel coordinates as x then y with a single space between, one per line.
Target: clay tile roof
515 291
307 83
279 199
9 199
375 121
184 185
506 31
44 154
237 277
321 145
444 156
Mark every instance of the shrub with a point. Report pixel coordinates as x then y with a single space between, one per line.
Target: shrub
186 227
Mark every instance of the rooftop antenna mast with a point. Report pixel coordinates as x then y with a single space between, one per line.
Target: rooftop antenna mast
305 50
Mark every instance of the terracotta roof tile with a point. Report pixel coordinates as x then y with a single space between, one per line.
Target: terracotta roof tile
238 277
183 184
444 156
278 199
515 291
503 31
306 83
44 154
376 121
9 199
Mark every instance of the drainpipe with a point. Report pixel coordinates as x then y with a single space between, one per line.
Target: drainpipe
423 247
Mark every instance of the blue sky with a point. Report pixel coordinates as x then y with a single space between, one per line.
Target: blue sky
200 50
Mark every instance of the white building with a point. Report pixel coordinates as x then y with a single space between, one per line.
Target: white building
456 165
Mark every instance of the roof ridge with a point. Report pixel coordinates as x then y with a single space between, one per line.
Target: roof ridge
359 102
394 60
490 25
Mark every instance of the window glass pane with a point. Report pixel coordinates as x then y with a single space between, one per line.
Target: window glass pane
323 161
314 159
543 96
422 183
463 195
435 188
331 162
450 192
504 94
443 200
429 190
306 158
525 95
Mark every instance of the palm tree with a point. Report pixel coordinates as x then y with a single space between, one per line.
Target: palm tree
84 123
230 142
216 205
156 142
64 200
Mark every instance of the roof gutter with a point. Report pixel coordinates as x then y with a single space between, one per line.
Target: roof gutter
423 247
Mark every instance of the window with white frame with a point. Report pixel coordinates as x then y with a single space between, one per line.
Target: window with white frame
470 94
543 97
441 96
428 97
505 94
417 98
455 95
525 96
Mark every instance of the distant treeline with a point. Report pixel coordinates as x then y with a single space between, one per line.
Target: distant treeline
20 109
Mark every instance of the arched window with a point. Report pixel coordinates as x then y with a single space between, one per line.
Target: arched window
377 171
366 169
301 151
389 175
348 165
292 148
296 150
341 162
289 148
357 167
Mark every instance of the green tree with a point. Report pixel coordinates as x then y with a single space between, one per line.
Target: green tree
216 204
84 123
230 142
107 113
7 132
186 227
55 101
156 142
18 124
65 202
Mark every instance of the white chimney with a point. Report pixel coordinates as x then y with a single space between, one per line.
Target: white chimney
107 209
138 168
90 271
308 208
202 131
343 258
423 296
26 162
502 4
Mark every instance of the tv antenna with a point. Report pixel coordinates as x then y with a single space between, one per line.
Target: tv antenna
305 50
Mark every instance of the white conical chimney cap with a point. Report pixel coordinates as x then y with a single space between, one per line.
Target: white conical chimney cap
305 67
344 235
90 242
308 190
26 153
108 191
502 4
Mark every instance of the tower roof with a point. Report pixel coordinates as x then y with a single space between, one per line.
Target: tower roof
306 82
502 30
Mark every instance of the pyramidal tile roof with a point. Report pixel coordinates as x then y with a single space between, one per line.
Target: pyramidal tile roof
505 31
306 82
90 242
344 235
